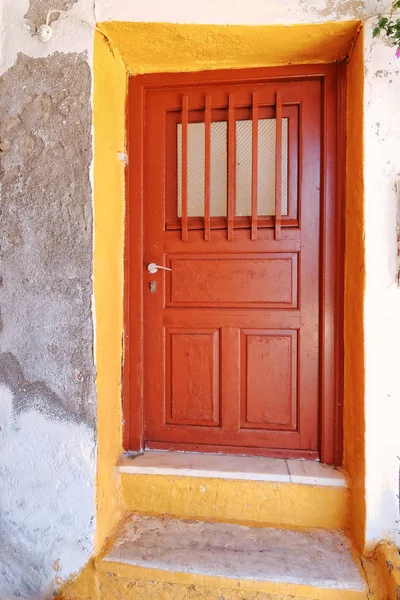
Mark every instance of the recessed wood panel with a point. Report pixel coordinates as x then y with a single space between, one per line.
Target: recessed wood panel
269 379
192 377
248 281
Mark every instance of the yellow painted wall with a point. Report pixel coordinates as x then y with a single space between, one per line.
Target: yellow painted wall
110 85
256 503
354 419
84 587
387 559
152 47
129 582
155 47
170 47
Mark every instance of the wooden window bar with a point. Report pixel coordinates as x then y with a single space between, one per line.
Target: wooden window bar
231 211
278 167
231 165
254 175
185 117
207 169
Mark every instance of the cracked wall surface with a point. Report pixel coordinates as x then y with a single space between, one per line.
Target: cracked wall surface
47 375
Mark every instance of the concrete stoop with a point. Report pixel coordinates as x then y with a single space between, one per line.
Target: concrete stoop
167 558
233 489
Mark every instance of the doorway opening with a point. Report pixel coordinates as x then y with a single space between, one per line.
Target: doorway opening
234 272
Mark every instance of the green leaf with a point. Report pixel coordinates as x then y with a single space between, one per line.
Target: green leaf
376 31
382 21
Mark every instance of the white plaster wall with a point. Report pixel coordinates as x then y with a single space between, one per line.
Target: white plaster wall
238 12
382 297
35 451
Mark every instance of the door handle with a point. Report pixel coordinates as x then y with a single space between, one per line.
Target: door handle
153 268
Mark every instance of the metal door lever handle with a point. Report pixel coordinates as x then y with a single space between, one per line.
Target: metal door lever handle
153 268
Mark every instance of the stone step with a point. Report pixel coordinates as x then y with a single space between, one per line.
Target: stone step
155 558
255 491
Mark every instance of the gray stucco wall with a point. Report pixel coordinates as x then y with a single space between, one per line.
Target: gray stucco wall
38 9
47 375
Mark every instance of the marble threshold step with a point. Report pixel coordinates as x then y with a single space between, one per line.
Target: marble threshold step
261 491
156 557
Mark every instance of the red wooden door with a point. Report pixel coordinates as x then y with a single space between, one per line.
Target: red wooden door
232 206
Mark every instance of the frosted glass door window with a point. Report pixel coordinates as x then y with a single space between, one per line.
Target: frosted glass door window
266 167
196 169
219 168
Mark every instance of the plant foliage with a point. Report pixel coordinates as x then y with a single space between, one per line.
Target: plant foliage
390 27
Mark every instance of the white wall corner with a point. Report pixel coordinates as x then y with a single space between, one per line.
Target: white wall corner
382 296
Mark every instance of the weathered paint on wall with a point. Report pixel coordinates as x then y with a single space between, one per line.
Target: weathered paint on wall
109 204
388 562
47 233
122 580
354 375
38 10
45 298
47 494
209 498
165 47
47 375
69 35
232 12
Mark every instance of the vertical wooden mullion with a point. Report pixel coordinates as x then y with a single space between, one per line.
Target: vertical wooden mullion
278 167
254 171
230 379
231 165
207 169
185 115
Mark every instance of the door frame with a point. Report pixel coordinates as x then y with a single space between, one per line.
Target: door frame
333 77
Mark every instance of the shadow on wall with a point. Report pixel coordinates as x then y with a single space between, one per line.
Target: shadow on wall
32 396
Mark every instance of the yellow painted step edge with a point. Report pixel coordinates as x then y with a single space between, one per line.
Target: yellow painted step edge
387 558
132 572
238 501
